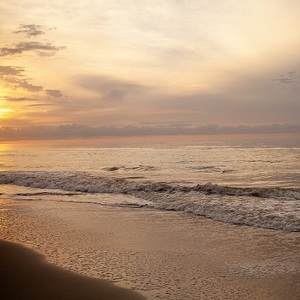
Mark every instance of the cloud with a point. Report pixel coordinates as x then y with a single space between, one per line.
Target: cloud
291 73
22 83
41 49
54 93
10 70
286 78
17 99
70 131
31 30
110 89
40 104
29 87
10 75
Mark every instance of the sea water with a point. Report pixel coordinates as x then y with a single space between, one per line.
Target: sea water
247 180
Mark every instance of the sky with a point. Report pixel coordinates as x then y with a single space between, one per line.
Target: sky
94 67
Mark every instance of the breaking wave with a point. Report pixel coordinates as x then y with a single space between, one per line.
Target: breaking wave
274 208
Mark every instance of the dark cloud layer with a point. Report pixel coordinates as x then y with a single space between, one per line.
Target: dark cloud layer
81 131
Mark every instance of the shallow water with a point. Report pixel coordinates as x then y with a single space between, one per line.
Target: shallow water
161 254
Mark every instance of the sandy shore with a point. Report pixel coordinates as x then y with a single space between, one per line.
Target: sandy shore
24 274
160 254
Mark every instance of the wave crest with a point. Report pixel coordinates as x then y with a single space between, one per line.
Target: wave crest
274 208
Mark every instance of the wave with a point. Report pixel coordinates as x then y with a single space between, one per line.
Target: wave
139 168
210 169
84 182
274 208
46 194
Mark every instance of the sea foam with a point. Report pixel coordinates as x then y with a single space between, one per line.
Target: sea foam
273 208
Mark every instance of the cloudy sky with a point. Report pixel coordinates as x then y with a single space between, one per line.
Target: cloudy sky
148 64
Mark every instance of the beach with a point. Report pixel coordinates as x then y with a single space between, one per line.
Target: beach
159 254
25 274
149 150
190 218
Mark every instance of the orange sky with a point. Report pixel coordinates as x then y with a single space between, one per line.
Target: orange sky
151 64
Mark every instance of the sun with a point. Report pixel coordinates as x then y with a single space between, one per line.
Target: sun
4 112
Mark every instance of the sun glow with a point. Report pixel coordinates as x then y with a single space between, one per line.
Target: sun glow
4 112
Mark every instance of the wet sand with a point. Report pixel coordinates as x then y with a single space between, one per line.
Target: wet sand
160 254
24 274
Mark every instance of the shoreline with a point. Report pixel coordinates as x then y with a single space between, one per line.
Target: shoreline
25 274
159 254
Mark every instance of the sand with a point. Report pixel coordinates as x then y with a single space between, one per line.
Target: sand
24 274
160 254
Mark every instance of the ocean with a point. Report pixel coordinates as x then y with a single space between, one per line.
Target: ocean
194 217
250 180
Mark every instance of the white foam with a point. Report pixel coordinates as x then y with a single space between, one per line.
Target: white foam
269 208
